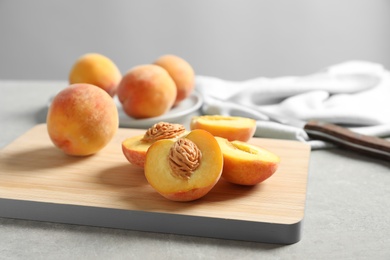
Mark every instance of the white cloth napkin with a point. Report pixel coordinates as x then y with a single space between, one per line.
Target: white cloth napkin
354 93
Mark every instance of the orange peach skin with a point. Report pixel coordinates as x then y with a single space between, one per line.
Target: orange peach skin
82 119
146 91
246 164
229 127
157 169
98 70
182 74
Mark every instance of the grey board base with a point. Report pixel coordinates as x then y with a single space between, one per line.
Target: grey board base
274 233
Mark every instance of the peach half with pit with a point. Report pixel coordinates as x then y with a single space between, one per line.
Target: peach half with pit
82 119
246 164
98 70
185 169
134 148
229 127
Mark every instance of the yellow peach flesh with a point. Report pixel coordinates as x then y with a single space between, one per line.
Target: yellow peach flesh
229 127
247 164
202 180
134 148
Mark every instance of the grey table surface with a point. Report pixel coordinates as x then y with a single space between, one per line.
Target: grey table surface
347 213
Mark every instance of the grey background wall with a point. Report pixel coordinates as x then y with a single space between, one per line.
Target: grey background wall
234 40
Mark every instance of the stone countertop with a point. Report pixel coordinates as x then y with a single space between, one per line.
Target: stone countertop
346 216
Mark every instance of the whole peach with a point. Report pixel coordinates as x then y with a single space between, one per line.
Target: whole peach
146 91
181 72
98 70
82 119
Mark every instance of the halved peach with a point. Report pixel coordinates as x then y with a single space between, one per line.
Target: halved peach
134 148
246 164
185 169
229 127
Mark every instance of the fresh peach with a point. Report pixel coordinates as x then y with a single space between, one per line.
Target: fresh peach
229 127
98 70
246 164
146 91
134 148
82 119
181 72
185 169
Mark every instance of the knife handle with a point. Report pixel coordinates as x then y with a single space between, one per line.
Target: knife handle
345 138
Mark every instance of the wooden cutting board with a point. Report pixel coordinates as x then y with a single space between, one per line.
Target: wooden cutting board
39 182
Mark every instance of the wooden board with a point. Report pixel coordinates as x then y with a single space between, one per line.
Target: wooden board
39 182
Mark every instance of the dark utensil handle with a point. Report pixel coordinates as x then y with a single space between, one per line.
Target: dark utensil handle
345 138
